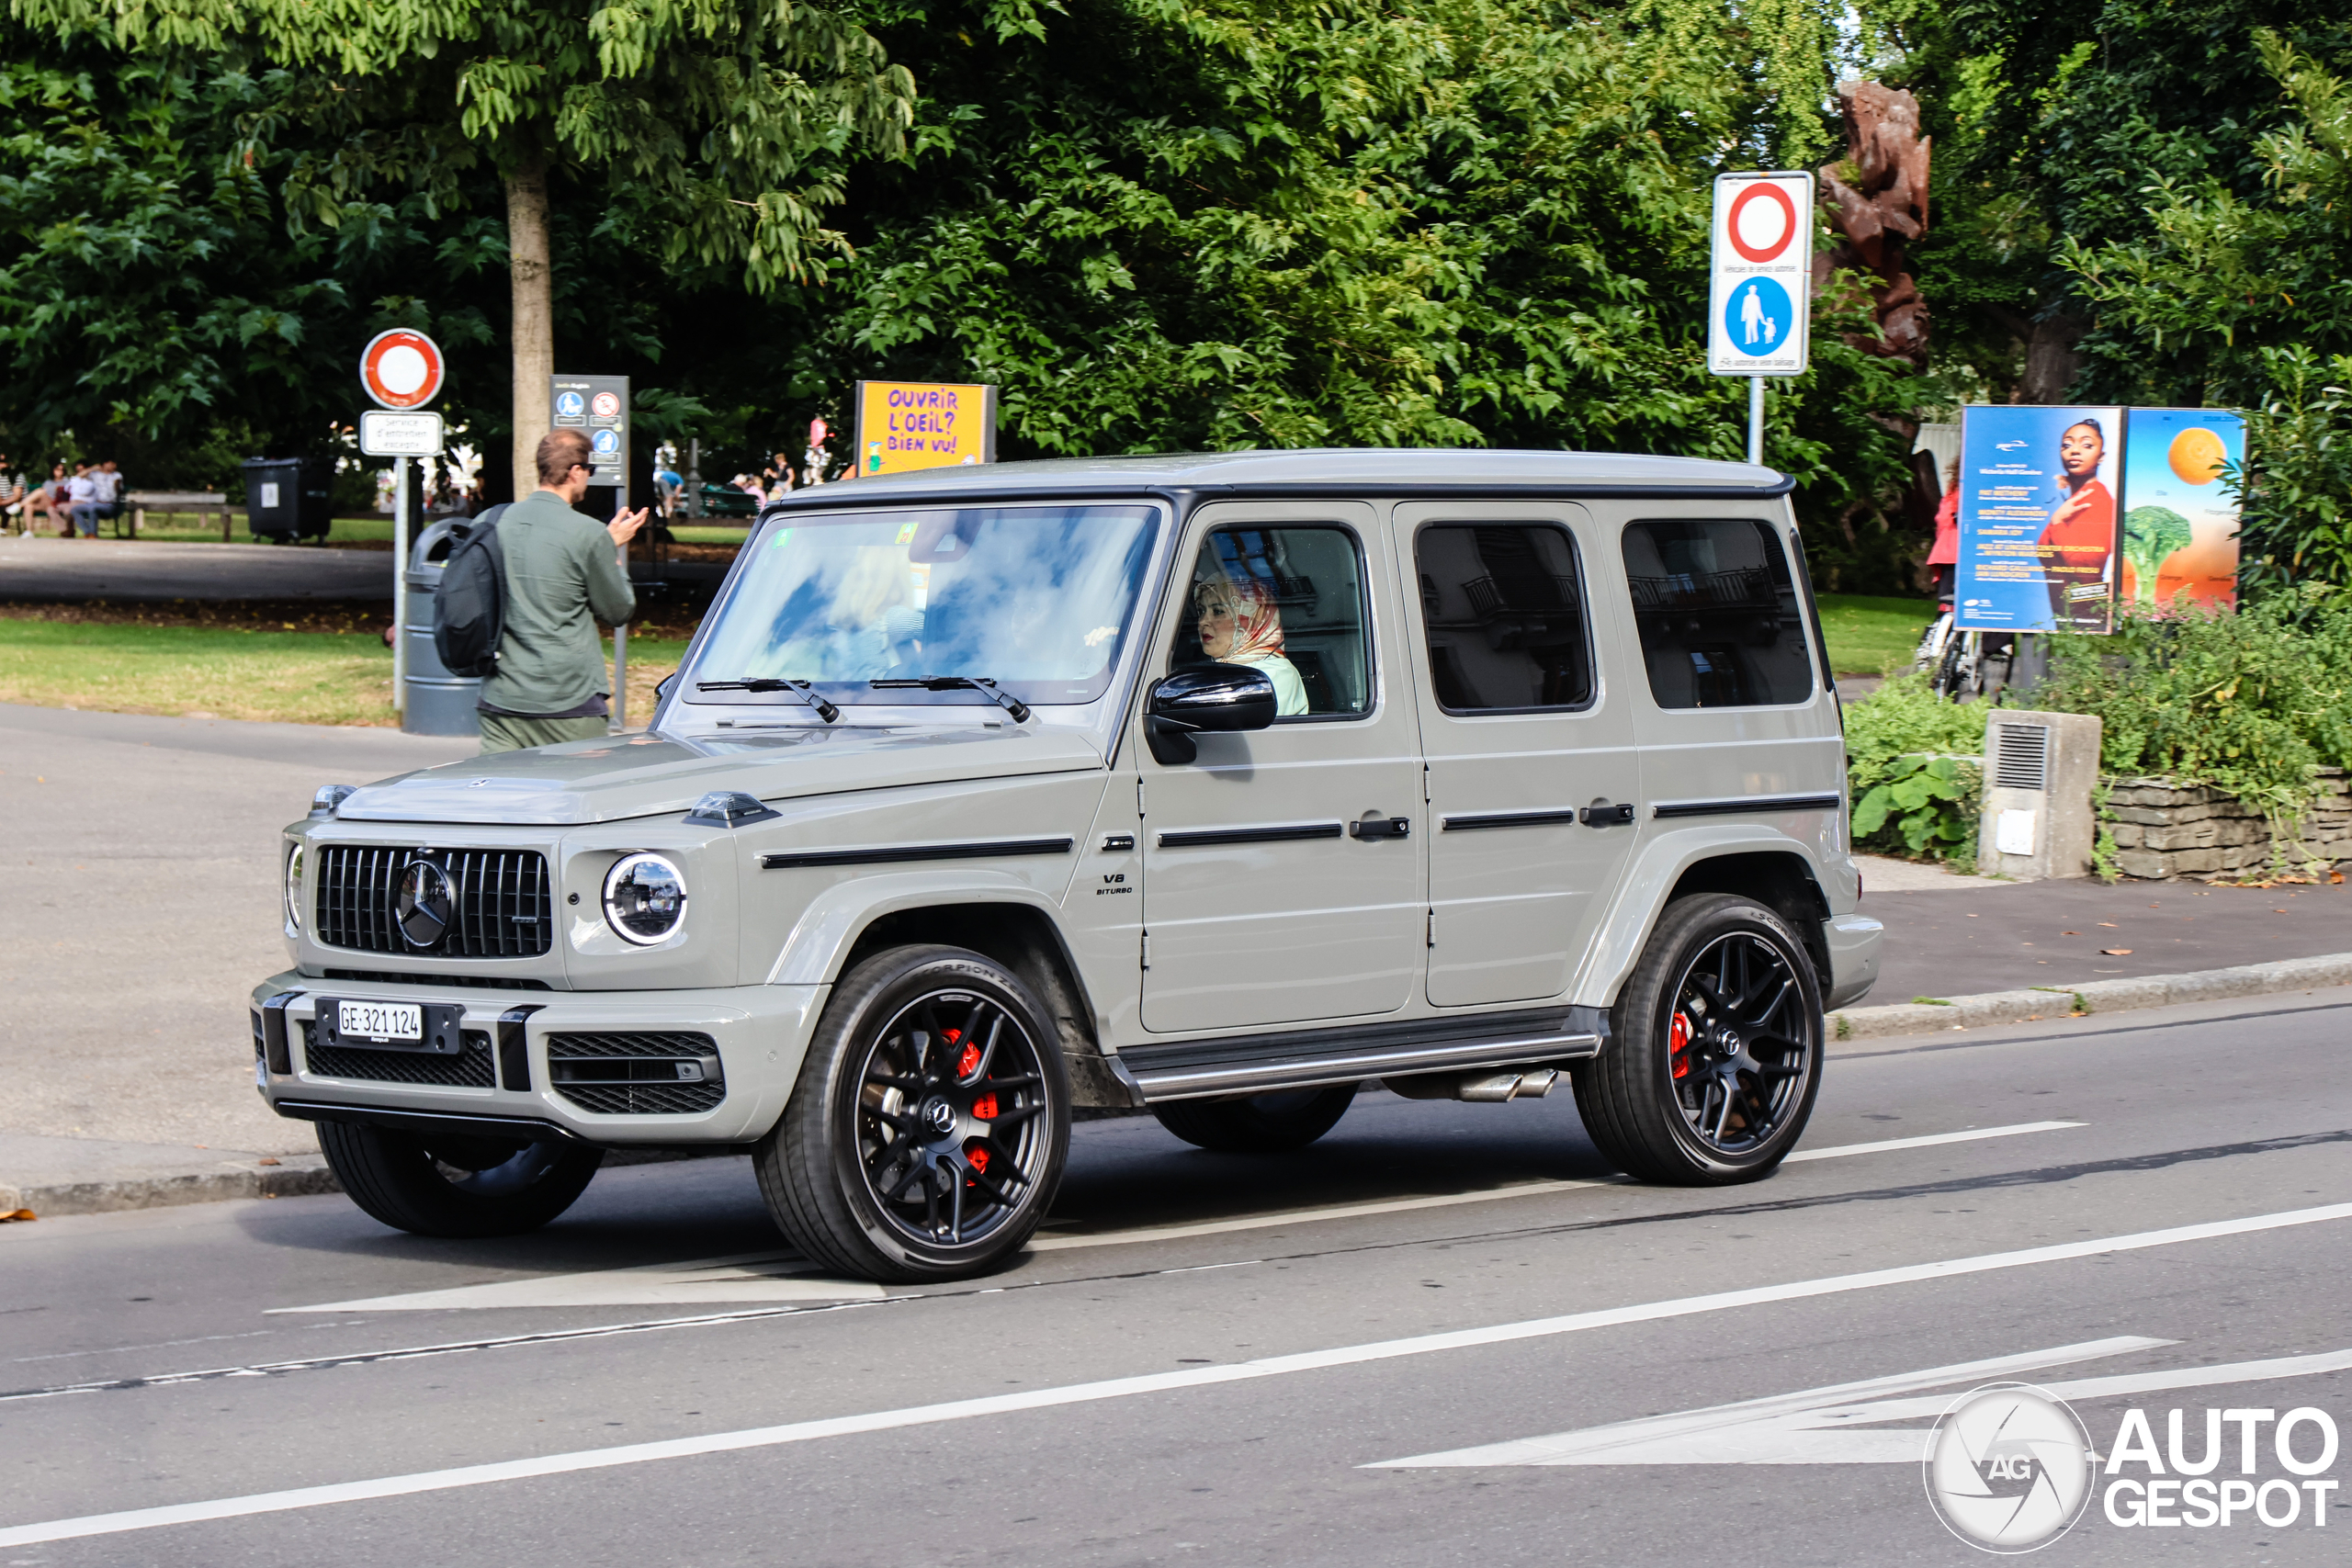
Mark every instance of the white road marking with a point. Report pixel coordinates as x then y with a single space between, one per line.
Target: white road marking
772 1276
1053 1243
1152 1383
1820 1425
1930 1140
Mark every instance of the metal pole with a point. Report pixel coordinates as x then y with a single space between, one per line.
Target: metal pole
1755 420
400 589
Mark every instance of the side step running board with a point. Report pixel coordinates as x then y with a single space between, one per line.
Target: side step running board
1259 1063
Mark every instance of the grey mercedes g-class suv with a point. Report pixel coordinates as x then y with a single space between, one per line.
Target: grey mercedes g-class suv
1211 786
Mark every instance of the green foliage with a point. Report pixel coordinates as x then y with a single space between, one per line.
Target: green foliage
1926 802
2151 534
728 119
1912 769
2248 704
2296 523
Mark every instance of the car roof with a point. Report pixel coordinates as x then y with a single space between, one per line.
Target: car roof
1325 471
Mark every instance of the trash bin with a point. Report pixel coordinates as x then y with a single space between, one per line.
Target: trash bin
437 701
289 498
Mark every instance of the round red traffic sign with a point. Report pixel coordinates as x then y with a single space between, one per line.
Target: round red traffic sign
401 369
1761 234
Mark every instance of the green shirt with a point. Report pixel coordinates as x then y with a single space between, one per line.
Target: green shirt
563 575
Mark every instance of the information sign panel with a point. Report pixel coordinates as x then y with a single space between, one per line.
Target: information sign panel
597 406
383 435
904 426
2181 507
1760 306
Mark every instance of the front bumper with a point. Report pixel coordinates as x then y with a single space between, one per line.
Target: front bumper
760 1034
1854 942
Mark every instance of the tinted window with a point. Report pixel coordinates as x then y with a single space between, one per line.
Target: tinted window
1720 621
1287 601
1503 604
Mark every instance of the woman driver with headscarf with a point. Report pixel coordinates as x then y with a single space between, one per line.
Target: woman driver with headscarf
1241 625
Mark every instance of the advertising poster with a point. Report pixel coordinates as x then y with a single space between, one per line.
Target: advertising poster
903 425
2180 509
2038 520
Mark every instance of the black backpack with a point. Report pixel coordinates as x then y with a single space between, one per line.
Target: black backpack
472 610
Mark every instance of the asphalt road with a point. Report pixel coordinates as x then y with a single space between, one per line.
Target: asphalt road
1217 1359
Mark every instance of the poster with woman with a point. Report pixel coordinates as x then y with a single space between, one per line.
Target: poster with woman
2039 523
2180 508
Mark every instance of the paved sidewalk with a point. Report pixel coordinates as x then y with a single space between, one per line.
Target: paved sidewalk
53 570
143 905
1977 935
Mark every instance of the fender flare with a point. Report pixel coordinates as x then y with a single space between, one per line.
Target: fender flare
1656 867
828 927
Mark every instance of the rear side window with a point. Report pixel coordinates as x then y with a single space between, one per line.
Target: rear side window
1720 619
1503 604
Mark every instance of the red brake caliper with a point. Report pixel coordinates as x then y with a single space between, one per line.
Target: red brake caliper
1678 1042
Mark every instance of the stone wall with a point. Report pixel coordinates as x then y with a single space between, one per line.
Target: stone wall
2163 831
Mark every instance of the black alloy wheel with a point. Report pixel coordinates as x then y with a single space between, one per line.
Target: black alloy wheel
930 1124
1261 1123
456 1186
1716 1061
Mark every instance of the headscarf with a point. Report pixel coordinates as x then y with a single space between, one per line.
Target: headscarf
1257 623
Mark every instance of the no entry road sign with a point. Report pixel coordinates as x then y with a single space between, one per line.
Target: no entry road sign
401 369
1760 317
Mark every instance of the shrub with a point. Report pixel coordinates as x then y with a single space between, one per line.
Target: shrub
1913 766
2248 703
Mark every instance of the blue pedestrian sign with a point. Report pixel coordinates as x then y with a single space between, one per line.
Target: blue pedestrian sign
1759 317
570 405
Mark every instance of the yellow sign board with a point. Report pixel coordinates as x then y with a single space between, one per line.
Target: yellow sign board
905 425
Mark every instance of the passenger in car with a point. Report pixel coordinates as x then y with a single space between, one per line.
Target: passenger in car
1241 625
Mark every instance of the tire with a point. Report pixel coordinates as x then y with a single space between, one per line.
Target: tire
1715 1059
898 1163
1262 1124
456 1187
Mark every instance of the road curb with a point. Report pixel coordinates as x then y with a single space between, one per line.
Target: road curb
1994 1008
296 1178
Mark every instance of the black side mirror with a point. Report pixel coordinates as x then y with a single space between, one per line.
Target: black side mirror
1220 697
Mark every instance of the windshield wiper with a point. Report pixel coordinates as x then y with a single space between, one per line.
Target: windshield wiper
800 689
981 683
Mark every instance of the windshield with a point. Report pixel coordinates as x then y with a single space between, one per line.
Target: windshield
1035 598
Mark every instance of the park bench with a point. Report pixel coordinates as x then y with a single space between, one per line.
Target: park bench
138 500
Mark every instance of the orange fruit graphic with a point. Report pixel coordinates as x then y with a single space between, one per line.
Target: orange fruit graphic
2195 455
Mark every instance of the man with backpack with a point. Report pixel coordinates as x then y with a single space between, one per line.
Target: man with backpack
557 574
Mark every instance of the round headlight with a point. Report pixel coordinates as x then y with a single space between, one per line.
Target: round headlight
645 899
294 889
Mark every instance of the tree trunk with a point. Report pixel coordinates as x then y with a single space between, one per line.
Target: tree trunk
533 322
2051 359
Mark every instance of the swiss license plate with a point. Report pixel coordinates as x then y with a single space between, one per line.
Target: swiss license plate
402 1021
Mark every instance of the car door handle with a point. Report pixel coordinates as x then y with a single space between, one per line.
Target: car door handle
1606 815
1380 828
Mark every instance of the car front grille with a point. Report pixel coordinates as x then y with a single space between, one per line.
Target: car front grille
637 1074
471 1068
503 907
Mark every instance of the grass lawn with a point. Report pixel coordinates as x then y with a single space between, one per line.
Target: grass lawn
230 673
199 528
1872 636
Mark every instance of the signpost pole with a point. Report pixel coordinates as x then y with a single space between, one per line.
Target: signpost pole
399 588
1755 420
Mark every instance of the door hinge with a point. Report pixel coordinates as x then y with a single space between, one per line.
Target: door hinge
1432 937
1146 950
1140 798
